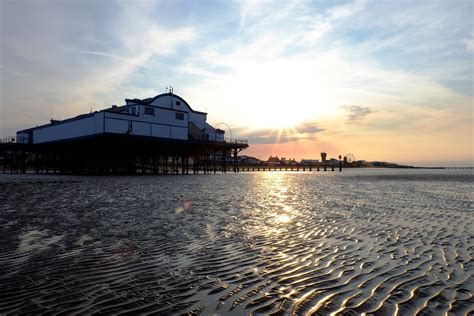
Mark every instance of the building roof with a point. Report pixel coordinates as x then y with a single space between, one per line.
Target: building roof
115 109
57 122
149 101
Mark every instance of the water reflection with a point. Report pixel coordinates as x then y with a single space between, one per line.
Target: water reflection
276 198
283 218
248 243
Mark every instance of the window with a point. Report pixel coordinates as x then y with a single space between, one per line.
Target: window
133 110
180 116
149 111
178 103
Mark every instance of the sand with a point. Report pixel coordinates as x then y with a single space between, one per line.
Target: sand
365 241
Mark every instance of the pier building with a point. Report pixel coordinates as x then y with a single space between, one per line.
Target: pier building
166 116
162 134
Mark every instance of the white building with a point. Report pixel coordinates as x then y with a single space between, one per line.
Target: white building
165 116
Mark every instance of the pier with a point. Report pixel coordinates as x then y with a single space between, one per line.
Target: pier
121 154
114 154
159 135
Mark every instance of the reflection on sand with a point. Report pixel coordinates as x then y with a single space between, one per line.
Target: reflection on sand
382 242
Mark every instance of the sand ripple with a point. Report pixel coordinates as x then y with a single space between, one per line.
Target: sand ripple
361 242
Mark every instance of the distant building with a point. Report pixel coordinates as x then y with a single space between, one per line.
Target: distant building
247 160
309 161
323 156
165 116
333 162
273 160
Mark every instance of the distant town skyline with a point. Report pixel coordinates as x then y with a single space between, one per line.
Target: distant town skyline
384 80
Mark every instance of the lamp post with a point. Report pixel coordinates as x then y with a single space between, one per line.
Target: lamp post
340 163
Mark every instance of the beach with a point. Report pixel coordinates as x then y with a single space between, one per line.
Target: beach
381 241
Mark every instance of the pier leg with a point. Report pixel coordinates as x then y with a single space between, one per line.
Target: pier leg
215 166
235 160
224 167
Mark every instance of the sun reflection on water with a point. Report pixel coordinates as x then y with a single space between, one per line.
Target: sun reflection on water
283 218
276 213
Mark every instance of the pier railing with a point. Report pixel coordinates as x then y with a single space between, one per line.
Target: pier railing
237 141
228 141
7 140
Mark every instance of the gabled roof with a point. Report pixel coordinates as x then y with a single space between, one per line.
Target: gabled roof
149 101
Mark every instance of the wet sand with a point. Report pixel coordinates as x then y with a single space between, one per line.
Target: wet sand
362 241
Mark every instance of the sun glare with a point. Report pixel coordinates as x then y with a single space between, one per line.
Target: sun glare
283 218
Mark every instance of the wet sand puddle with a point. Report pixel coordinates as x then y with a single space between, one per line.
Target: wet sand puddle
376 242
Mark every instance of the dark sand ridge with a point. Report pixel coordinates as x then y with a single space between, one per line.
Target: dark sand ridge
362 242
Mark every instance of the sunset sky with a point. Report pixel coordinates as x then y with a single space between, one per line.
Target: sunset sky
383 80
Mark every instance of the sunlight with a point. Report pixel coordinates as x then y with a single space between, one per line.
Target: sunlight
274 94
281 212
283 218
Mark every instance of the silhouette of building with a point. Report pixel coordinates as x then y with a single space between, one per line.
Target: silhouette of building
248 160
323 157
309 162
273 160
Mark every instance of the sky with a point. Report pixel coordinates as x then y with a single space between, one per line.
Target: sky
382 80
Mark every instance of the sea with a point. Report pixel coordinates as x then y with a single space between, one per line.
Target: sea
360 241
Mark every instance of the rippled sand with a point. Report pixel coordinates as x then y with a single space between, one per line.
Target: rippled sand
363 241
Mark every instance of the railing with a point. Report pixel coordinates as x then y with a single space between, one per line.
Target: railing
231 141
237 141
7 140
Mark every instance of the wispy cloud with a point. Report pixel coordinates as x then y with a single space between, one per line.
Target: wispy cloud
357 112
469 44
69 58
266 66
300 132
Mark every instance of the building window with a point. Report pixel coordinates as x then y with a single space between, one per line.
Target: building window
149 111
133 110
180 116
178 103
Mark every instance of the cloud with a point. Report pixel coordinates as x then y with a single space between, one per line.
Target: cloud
265 66
308 128
469 44
70 56
300 132
348 9
357 112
